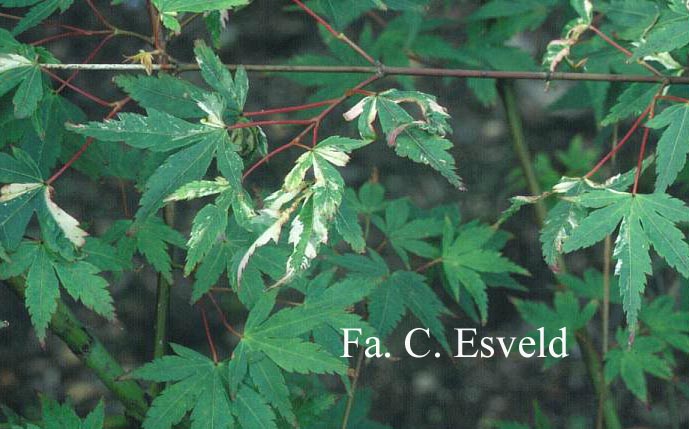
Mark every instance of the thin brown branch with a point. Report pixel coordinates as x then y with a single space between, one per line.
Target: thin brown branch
209 337
625 51
340 36
394 71
223 319
622 142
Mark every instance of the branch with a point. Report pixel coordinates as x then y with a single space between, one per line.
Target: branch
520 147
340 36
92 353
393 71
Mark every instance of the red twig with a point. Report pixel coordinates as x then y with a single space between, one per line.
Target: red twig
624 50
619 145
313 125
336 33
88 59
271 154
77 89
209 337
99 15
270 122
428 265
118 106
644 140
76 33
672 98
289 108
224 321
48 23
640 162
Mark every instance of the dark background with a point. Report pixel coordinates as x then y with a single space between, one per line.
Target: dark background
424 393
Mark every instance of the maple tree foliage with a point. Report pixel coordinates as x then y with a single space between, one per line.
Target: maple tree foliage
312 235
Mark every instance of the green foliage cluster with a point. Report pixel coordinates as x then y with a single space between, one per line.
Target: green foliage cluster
315 237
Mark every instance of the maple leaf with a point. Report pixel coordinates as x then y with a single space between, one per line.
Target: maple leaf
468 258
195 384
631 363
645 221
420 140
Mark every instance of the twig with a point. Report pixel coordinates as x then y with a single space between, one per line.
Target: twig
622 142
289 109
520 147
352 393
86 94
68 35
340 36
99 15
223 319
428 265
88 59
209 337
625 51
271 122
314 123
118 106
394 71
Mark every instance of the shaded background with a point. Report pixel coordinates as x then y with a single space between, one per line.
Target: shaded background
409 393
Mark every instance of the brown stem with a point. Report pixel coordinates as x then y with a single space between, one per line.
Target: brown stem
88 59
209 337
288 109
622 142
352 393
337 34
625 51
85 93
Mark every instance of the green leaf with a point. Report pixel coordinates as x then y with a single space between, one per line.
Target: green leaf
407 235
598 224
565 313
467 258
667 324
39 12
632 101
664 38
199 189
210 270
219 78
170 8
347 225
179 169
29 93
159 131
20 260
631 364
96 418
152 239
270 383
631 18
164 93
419 140
296 355
213 410
209 223
673 145
58 416
252 411
42 292
195 384
421 301
81 281
386 307
646 220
